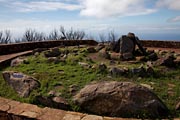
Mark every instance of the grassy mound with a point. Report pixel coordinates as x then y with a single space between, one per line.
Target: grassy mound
61 76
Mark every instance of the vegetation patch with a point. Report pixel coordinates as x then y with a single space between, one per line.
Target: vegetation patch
75 67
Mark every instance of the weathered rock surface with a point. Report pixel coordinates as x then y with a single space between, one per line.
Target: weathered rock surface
54 52
55 60
18 61
117 71
91 50
84 65
140 71
39 50
99 47
104 54
120 99
127 47
21 83
102 67
166 61
55 102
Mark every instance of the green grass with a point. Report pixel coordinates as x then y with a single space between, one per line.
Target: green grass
70 73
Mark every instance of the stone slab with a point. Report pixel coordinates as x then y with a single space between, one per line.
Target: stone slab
52 114
92 117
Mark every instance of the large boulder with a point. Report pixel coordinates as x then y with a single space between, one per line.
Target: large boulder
127 47
21 83
120 99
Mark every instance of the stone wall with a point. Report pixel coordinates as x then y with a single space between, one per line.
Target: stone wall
14 48
161 44
13 110
20 47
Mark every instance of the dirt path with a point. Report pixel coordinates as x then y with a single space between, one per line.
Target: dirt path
11 56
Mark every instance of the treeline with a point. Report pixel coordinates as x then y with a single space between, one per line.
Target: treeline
32 35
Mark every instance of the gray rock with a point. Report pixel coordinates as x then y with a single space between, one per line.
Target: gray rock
140 71
100 47
55 60
91 50
73 89
36 54
150 57
150 71
104 54
102 67
18 61
20 82
117 71
127 47
84 65
168 61
54 52
112 62
39 50
54 102
120 99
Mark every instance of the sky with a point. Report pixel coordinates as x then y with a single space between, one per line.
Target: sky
148 19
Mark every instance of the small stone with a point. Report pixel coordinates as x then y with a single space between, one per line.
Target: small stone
117 71
102 67
147 86
112 62
91 50
52 93
84 65
36 54
73 89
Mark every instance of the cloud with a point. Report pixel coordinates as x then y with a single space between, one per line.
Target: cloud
42 6
109 8
175 19
90 8
170 4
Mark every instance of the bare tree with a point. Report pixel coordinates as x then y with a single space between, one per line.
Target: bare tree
54 35
72 34
6 37
102 38
18 40
112 37
89 37
1 37
63 32
32 35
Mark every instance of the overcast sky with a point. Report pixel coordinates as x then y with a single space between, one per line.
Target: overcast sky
148 19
